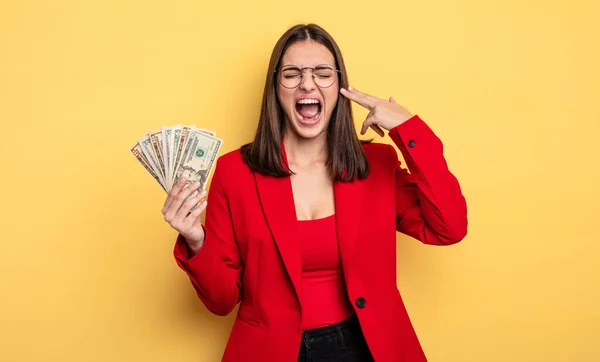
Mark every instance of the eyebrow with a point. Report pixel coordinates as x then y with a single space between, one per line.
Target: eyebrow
316 66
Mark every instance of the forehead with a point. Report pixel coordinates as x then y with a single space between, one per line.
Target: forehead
307 53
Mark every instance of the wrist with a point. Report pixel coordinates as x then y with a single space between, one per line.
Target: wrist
193 247
193 244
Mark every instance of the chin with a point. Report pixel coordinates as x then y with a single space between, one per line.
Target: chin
310 134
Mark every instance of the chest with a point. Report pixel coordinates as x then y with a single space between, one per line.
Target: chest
313 193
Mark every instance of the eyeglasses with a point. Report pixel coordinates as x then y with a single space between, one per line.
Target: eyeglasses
291 76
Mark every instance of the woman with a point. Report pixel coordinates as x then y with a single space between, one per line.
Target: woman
301 225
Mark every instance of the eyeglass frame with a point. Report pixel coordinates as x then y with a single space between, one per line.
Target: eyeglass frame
292 66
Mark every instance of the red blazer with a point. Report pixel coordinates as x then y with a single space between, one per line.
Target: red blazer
251 254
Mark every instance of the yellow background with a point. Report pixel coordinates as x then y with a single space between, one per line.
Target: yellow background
511 87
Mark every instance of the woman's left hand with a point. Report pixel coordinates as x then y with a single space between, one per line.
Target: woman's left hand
383 114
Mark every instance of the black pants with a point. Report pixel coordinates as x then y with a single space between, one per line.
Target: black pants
343 341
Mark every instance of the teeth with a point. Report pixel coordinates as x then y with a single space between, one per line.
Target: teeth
308 101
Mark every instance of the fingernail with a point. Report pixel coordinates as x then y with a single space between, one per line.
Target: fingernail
350 88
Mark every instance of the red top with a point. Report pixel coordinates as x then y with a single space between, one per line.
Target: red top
324 296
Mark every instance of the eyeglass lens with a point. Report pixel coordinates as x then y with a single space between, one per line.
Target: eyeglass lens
291 77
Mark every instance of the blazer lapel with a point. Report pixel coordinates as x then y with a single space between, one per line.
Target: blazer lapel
348 209
277 200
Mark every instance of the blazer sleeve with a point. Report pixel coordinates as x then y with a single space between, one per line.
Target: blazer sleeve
430 206
215 271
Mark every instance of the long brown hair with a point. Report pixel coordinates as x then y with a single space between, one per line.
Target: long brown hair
346 158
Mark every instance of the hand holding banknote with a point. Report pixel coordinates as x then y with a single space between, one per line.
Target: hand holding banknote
181 159
179 214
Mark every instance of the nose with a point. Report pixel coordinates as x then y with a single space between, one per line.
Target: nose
307 83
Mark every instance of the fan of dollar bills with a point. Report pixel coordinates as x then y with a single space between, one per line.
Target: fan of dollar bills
180 151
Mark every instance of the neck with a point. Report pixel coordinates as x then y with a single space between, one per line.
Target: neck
303 151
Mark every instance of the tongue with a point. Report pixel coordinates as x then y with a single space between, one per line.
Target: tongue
308 110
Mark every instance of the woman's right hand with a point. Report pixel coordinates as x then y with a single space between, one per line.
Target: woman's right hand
177 213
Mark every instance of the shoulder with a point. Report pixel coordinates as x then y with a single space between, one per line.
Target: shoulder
231 159
230 171
380 154
375 148
232 163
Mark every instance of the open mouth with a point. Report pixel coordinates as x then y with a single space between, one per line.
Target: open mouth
308 110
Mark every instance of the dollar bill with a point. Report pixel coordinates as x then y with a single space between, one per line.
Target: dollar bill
146 147
174 142
178 151
207 132
166 145
156 143
198 158
139 155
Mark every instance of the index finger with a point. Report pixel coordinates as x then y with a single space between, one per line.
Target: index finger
363 99
366 95
174 191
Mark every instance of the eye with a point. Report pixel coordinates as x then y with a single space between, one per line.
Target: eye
291 73
324 73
